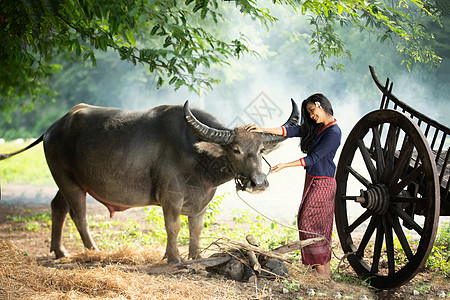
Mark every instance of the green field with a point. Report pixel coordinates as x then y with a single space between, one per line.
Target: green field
28 167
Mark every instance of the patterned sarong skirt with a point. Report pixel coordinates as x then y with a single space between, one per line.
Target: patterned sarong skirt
316 214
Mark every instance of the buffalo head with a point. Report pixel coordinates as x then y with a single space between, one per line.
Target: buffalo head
242 149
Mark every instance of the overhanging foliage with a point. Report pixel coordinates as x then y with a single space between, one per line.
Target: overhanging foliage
179 40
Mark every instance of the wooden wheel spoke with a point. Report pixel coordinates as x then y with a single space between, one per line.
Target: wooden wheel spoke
377 248
397 188
407 219
389 238
358 176
391 143
400 235
379 157
359 221
403 199
366 237
348 197
367 160
402 162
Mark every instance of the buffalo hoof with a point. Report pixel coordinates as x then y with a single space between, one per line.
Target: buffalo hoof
172 260
61 254
196 256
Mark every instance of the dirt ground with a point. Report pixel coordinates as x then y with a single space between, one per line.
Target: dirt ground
25 200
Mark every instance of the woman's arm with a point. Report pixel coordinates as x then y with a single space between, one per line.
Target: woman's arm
281 166
256 128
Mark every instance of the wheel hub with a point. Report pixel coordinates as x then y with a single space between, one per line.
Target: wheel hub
375 198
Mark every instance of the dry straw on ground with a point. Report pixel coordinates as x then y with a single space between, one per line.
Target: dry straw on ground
22 278
123 274
127 255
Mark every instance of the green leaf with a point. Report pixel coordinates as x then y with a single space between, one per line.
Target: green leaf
93 59
167 42
154 29
131 38
133 11
144 18
160 82
173 80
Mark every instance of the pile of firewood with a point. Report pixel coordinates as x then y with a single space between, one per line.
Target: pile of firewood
242 261
247 261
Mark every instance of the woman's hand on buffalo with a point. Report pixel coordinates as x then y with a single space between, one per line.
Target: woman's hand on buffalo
253 128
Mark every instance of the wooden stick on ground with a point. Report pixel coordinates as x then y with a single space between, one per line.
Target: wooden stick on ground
252 256
195 264
251 240
297 245
254 261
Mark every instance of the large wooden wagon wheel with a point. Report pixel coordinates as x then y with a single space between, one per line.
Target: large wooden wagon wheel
387 177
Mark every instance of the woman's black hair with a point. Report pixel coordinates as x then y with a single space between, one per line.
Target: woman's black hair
308 126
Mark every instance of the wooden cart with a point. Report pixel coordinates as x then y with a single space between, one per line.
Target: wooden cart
393 174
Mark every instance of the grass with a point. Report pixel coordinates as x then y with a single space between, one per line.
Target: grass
32 222
27 167
439 259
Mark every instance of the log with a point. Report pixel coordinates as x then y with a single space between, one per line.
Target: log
297 245
251 240
253 260
251 248
254 263
195 264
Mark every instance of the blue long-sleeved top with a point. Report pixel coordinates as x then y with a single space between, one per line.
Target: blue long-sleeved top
319 159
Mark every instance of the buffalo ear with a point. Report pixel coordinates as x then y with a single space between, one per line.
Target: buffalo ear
270 148
212 149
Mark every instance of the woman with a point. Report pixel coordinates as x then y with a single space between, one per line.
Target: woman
320 137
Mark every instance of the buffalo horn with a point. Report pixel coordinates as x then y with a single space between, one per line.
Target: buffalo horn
271 139
204 132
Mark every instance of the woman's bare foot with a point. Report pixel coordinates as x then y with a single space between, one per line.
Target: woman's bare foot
323 270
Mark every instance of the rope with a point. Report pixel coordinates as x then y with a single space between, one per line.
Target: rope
283 225
298 230
239 184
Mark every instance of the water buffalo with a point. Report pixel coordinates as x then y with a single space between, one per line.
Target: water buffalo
168 156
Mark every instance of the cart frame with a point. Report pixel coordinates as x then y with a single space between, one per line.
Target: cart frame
400 159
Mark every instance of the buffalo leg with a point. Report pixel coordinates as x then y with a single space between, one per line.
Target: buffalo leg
77 204
195 230
60 209
173 224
